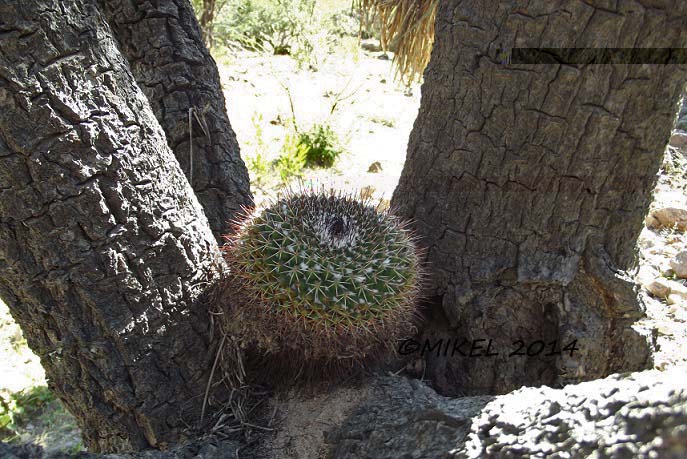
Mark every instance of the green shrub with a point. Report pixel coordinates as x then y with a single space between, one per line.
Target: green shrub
292 160
18 408
259 167
321 146
277 26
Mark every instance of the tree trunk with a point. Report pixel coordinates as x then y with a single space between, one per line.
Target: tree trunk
104 249
528 185
207 17
163 44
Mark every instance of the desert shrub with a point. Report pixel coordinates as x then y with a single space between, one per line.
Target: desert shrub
321 145
277 26
19 407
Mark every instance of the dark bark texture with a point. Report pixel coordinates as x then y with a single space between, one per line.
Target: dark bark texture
104 249
528 185
162 42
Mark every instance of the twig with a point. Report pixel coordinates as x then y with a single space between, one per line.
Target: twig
212 373
190 155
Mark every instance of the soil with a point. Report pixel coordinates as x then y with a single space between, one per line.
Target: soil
354 92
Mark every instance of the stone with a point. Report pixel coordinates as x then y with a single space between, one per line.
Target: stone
679 140
679 264
674 298
658 287
375 167
647 239
671 217
370 44
652 222
646 275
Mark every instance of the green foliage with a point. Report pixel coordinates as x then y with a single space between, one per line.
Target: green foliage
388 122
321 146
292 159
278 26
344 23
259 167
17 408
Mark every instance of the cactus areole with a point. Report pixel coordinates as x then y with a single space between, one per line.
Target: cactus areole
328 277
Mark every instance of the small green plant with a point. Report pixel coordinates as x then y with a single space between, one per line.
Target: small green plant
388 122
292 160
321 146
329 280
259 167
19 407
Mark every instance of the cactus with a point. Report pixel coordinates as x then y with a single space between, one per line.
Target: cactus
326 279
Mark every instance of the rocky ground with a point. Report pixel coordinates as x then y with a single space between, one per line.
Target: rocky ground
662 248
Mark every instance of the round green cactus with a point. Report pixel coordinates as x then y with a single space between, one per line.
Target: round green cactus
328 277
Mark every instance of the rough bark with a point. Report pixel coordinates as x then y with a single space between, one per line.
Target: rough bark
162 41
528 185
104 249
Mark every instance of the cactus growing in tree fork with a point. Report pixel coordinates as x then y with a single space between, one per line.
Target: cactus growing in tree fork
326 280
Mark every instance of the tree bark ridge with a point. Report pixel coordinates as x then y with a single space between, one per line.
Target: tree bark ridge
104 249
162 41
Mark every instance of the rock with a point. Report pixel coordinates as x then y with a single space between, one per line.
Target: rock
375 167
612 417
652 222
658 287
679 264
632 415
679 140
640 414
671 217
665 269
674 298
647 239
370 44
646 275
202 448
384 57
404 418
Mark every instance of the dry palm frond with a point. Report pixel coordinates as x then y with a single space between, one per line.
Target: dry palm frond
408 27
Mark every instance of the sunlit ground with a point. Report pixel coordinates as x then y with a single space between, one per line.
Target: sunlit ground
29 412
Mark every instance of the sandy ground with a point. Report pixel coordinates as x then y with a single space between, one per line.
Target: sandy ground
372 114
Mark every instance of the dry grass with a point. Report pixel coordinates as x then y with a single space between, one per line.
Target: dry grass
407 26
